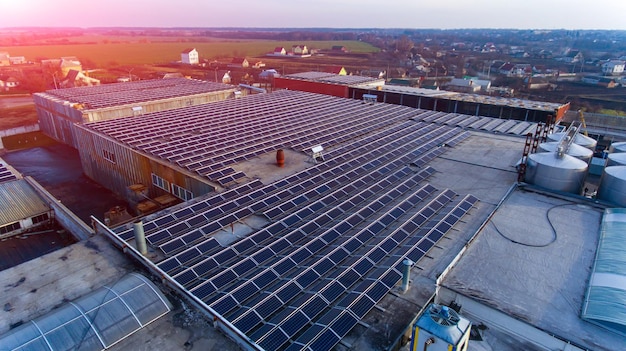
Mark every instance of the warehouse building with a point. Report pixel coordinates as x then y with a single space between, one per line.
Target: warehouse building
309 254
58 110
356 87
326 83
468 104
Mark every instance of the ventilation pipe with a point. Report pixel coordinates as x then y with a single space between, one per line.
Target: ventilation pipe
140 238
406 273
280 158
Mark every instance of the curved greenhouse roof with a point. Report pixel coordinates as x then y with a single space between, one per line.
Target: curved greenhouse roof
93 322
605 302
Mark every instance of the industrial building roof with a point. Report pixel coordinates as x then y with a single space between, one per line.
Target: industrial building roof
6 173
333 78
18 200
482 99
211 140
302 260
108 95
334 234
605 301
532 261
95 321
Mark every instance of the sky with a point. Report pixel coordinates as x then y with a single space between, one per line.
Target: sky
439 14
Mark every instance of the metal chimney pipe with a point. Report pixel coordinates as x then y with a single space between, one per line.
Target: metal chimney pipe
406 273
140 238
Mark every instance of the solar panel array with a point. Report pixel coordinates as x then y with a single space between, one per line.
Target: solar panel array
5 173
108 95
209 139
491 124
337 232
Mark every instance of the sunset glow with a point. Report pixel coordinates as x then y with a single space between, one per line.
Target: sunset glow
321 13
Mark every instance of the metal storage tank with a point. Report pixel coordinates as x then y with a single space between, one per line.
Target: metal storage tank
575 150
616 159
579 139
618 147
613 185
564 173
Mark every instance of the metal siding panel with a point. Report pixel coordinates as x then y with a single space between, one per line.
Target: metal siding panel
18 201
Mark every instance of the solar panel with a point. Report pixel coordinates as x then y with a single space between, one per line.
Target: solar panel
274 340
224 305
248 322
288 292
269 306
326 341
313 307
264 279
343 324
294 324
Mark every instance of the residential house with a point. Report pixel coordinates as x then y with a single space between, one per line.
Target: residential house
516 70
507 69
339 48
68 63
339 70
190 56
8 83
226 79
573 56
462 85
5 59
613 67
279 50
78 79
17 60
239 62
299 50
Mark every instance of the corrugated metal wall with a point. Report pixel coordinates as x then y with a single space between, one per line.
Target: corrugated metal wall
130 167
57 117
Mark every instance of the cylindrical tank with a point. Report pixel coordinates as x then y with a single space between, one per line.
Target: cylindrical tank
565 173
613 185
618 147
616 159
579 139
575 150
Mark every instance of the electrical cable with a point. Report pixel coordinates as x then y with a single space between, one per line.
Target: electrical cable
554 233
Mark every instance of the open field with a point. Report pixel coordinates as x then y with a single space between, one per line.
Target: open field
133 53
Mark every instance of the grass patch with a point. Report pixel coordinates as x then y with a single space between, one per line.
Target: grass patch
133 53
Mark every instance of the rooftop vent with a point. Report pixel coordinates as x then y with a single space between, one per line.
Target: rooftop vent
443 315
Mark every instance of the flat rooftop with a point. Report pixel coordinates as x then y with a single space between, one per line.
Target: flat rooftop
319 260
476 98
109 95
532 261
333 78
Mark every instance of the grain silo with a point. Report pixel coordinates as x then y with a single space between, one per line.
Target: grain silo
579 139
556 171
613 185
616 159
575 150
618 147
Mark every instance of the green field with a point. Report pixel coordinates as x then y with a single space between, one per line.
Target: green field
107 52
